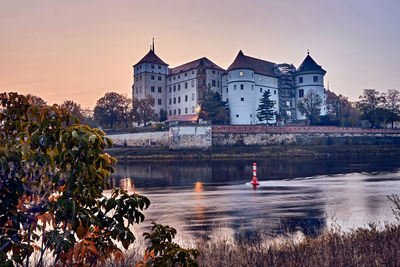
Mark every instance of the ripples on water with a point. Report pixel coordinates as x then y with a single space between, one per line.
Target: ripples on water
201 198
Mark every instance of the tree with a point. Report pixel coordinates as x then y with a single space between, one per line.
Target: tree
36 100
143 110
163 115
265 110
74 108
310 106
368 102
213 109
112 108
53 173
392 103
335 105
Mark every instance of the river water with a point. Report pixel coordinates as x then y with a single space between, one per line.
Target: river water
206 198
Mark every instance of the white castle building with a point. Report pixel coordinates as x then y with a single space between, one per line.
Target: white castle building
179 91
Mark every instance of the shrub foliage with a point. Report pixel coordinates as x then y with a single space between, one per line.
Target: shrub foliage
53 174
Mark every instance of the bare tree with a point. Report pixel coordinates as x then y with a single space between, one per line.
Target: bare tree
310 106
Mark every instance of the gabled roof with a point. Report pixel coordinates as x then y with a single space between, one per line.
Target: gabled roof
151 57
257 65
194 64
310 65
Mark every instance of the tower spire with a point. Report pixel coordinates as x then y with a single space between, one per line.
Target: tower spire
153 46
308 51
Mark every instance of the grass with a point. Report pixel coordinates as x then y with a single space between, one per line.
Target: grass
370 246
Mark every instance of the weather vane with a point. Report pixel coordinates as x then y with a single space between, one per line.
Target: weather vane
308 51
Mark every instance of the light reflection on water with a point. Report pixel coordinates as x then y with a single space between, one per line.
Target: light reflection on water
200 198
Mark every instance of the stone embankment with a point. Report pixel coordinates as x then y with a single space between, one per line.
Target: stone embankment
204 137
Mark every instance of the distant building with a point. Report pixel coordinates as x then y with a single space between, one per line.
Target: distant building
179 91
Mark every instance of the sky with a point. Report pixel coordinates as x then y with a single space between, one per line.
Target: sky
80 49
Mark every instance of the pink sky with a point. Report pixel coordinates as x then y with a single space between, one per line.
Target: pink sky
80 50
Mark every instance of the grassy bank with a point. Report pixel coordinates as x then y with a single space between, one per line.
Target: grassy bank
127 154
361 247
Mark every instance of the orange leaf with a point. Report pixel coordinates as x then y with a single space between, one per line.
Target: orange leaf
80 232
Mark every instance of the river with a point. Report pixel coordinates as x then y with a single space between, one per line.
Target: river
208 198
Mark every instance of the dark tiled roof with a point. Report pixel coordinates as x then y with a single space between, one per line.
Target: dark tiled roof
310 65
257 65
151 57
194 64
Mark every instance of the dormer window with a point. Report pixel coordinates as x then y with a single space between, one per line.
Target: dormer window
300 79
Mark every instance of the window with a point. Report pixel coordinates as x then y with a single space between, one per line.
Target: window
179 111
300 79
186 98
192 71
152 66
174 111
213 72
159 67
252 87
170 89
315 78
260 90
274 92
137 90
186 110
218 85
260 78
213 83
274 81
227 78
251 115
192 83
179 87
159 102
301 93
192 96
152 77
234 87
185 74
288 113
192 109
170 112
186 85
230 76
241 87
159 89
237 115
174 88
152 89
174 100
170 101
179 76
227 89
242 99
159 78
252 75
288 103
179 99
268 80
174 78
169 79
241 73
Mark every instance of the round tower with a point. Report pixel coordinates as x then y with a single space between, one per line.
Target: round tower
310 76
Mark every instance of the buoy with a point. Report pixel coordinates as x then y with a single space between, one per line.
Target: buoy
254 181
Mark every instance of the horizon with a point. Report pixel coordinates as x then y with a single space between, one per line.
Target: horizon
81 50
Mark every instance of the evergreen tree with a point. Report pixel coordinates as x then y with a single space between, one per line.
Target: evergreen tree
265 110
213 108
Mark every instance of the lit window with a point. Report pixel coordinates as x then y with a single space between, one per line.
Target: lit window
260 78
227 78
274 81
241 73
230 75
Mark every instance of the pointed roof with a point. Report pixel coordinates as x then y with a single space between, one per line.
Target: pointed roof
151 57
194 64
257 65
310 65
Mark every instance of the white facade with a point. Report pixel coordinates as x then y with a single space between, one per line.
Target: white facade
243 89
310 81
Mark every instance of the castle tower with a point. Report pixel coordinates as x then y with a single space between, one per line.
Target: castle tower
150 78
310 76
246 80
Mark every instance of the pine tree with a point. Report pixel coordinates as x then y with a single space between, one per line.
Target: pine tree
265 110
213 108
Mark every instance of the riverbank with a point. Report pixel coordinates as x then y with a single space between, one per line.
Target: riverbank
130 154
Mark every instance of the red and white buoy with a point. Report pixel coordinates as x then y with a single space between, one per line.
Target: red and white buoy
254 181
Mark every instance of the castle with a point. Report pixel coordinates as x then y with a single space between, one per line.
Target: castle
178 91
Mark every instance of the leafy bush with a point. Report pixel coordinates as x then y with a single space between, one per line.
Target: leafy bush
53 173
164 252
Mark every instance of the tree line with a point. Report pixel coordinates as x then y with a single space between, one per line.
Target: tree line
373 109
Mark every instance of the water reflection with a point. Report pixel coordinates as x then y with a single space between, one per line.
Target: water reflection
294 195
